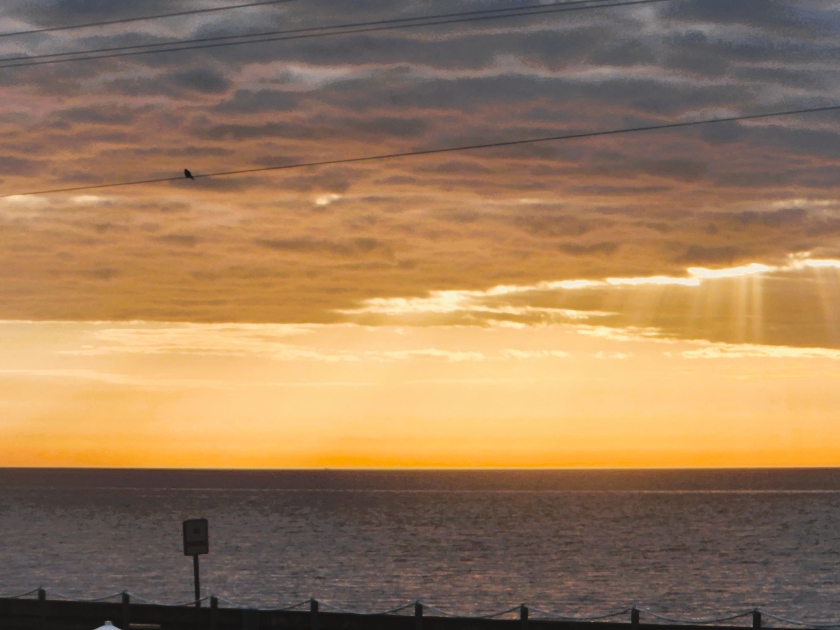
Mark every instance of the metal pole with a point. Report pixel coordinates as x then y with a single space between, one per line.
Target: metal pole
197 582
214 613
42 608
523 617
126 602
313 614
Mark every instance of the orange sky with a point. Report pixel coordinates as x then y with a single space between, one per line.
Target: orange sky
660 300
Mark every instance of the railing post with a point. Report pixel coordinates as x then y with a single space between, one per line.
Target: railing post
523 617
126 617
634 617
756 618
42 609
418 616
313 614
214 612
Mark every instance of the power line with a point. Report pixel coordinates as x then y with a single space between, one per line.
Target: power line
142 18
321 31
526 9
489 145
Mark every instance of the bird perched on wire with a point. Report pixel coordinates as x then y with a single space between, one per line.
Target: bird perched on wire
188 175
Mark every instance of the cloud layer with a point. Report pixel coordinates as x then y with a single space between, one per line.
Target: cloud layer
329 244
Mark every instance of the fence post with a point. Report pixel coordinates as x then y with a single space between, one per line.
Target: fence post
126 617
214 612
313 614
523 617
756 618
634 617
42 609
418 616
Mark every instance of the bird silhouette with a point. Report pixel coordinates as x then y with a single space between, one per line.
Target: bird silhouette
188 175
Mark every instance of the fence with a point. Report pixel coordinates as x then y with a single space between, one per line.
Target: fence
34 611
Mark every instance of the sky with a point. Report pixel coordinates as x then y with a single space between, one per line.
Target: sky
659 299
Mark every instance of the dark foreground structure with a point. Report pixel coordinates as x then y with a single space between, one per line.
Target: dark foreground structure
43 614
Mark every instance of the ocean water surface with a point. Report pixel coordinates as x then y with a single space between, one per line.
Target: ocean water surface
681 543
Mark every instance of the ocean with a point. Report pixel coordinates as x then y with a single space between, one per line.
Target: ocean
689 544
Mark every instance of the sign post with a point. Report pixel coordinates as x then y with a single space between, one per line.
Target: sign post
196 543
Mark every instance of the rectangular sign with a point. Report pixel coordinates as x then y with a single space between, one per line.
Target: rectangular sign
196 537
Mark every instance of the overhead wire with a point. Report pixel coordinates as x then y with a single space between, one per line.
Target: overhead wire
49 29
315 32
471 147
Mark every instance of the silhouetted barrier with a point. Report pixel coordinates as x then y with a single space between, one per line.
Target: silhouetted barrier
40 613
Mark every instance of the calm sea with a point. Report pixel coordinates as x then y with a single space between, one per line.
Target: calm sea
683 543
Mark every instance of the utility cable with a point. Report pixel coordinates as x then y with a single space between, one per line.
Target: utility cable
512 11
314 32
68 27
470 147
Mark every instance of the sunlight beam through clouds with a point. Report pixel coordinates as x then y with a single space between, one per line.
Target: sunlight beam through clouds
739 290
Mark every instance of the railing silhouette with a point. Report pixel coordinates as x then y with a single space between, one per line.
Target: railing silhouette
32 610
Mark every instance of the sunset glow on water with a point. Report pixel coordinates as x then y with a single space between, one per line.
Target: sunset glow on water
691 544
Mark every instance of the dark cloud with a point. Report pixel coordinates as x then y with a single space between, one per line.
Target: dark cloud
243 102
178 84
98 115
579 249
563 225
17 166
361 247
105 273
719 256
682 169
769 14
201 80
259 246
181 240
47 13
785 217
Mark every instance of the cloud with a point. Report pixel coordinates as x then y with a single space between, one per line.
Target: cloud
17 166
347 248
326 199
656 280
620 218
613 356
626 334
741 304
480 306
265 340
114 379
63 374
525 355
731 272
203 80
752 351
429 353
